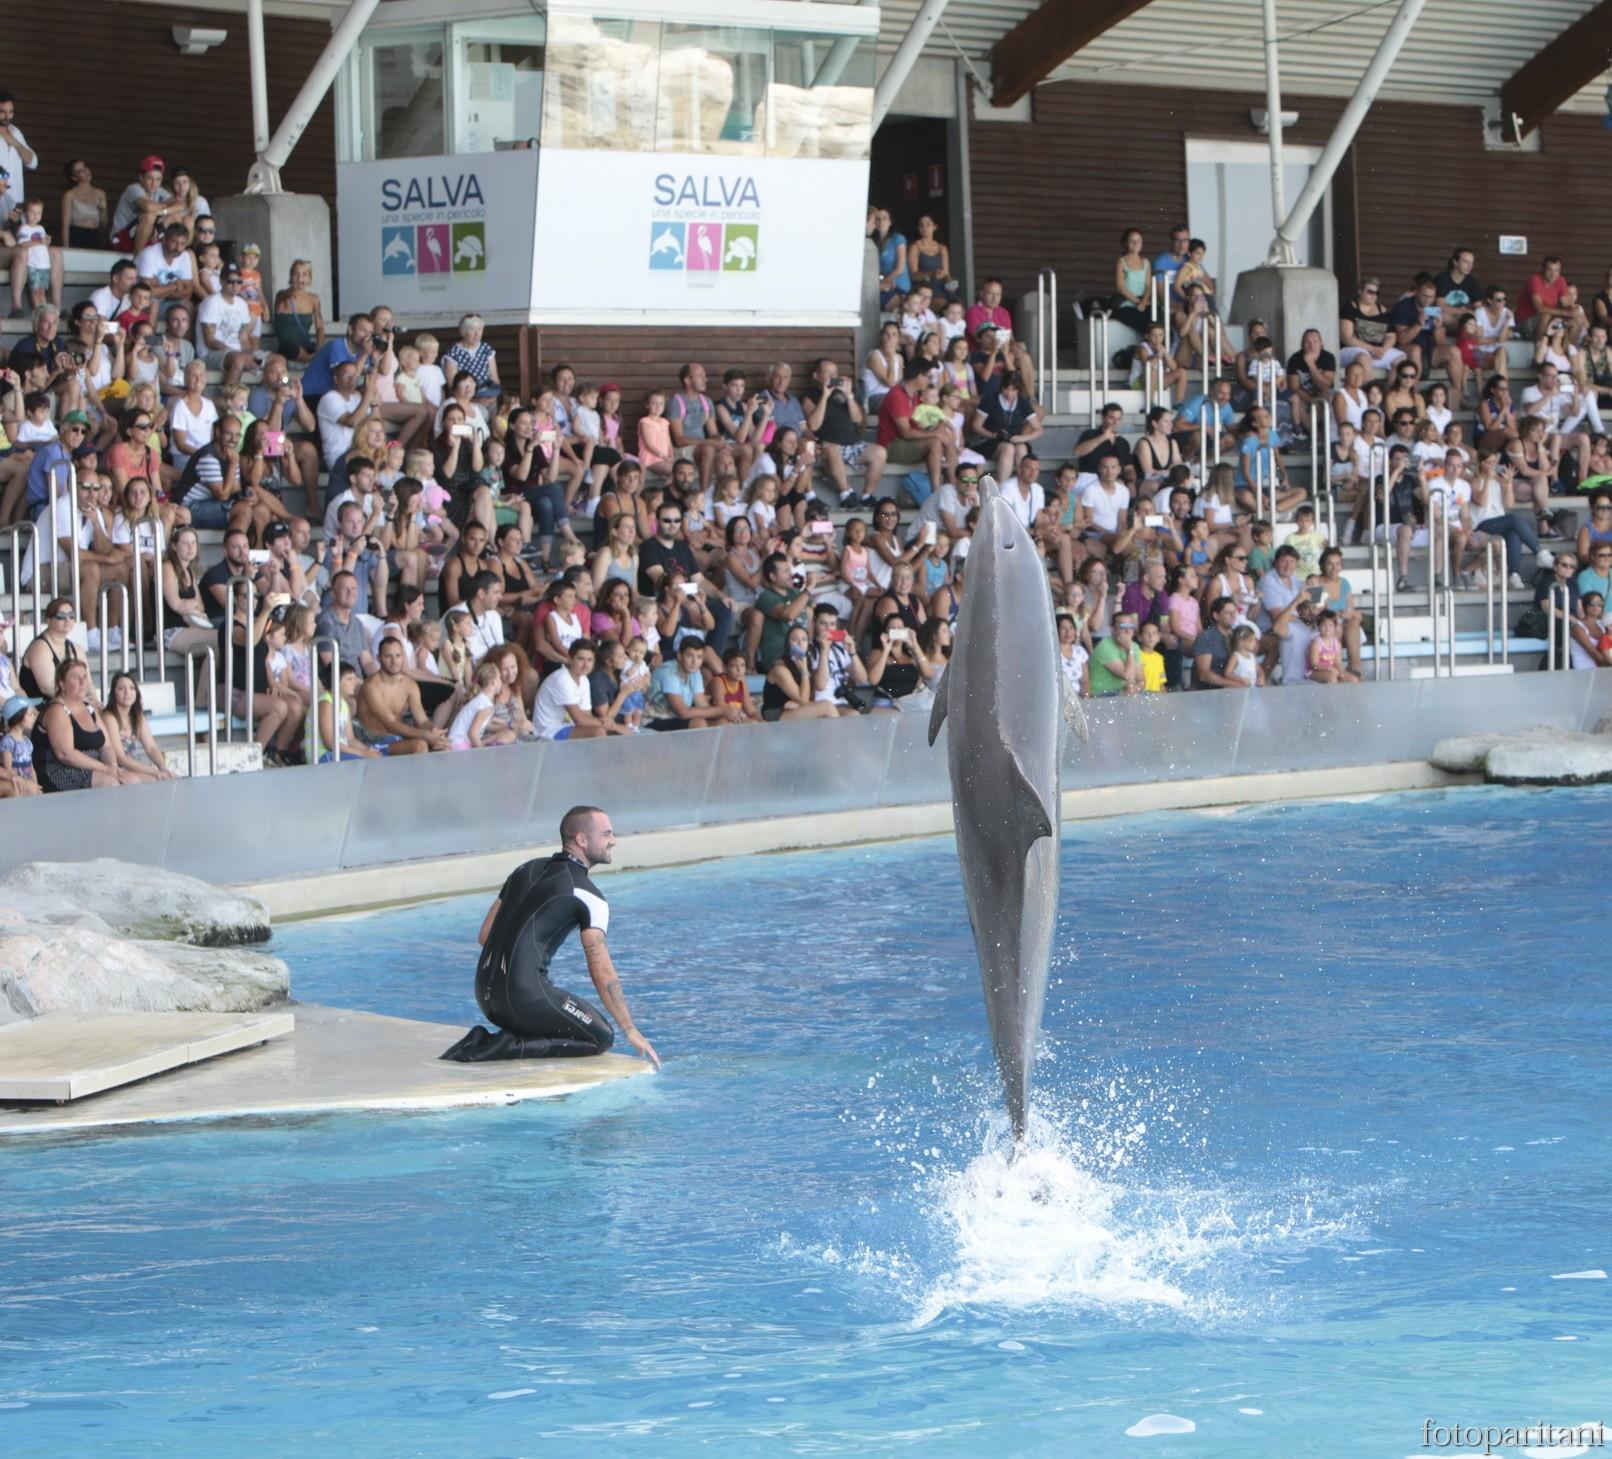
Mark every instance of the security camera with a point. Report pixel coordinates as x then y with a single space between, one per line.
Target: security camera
194 42
1262 120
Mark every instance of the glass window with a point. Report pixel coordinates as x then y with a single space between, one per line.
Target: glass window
600 87
820 101
713 79
502 83
405 110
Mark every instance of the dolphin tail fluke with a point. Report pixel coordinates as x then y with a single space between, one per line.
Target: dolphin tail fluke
937 715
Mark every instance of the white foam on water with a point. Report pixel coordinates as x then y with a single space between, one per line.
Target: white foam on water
1564 1339
1252 1412
1160 1423
1041 1228
504 1393
1594 1275
1010 1346
14 1404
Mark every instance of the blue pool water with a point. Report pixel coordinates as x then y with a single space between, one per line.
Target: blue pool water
1321 1155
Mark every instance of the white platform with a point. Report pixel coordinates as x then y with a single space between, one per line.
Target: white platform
334 1059
68 1056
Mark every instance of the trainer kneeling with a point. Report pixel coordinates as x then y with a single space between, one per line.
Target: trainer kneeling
535 912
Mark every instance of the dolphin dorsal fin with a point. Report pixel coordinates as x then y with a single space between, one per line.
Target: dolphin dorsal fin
1029 810
937 715
988 488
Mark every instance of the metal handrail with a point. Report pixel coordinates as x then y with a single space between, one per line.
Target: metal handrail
229 655
1449 622
1154 389
56 539
1159 303
1437 528
1320 471
1211 366
1489 546
158 607
1382 564
106 633
335 698
1046 329
1097 358
14 535
1505 607
202 651
1560 622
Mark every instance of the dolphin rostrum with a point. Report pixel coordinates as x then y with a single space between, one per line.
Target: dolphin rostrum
1001 697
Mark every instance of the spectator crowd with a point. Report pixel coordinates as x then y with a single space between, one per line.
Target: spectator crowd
418 558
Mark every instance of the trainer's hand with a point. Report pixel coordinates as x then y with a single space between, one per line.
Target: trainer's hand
644 1047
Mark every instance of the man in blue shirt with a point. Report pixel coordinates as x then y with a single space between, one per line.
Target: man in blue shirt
1190 414
53 458
1172 260
356 345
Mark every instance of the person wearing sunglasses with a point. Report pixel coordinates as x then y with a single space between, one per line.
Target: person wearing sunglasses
1364 332
43 659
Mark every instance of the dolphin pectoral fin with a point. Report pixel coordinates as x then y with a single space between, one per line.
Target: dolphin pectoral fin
937 715
1074 713
1030 812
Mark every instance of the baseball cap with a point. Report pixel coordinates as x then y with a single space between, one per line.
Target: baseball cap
153 163
232 271
76 418
251 248
276 530
16 705
89 448
984 324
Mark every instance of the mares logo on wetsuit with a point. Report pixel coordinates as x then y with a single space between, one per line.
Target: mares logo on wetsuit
580 1014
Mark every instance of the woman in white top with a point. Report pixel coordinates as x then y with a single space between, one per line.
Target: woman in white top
463 395
1228 580
881 371
1349 404
563 626
142 364
1438 406
884 543
192 416
1588 629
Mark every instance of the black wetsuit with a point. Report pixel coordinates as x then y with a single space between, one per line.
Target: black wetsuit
539 906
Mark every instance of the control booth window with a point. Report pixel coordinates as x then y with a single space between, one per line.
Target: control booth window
651 86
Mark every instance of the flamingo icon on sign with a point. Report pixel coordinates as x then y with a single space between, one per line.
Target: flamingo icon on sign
705 246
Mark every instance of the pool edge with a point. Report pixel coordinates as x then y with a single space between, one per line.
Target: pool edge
404 882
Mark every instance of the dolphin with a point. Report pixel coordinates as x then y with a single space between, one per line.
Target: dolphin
1005 701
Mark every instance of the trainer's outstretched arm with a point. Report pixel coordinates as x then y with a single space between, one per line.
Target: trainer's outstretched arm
603 972
487 921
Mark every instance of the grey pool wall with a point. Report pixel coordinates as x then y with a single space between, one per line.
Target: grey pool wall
331 818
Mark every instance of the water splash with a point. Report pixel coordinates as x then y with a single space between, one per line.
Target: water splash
1107 1206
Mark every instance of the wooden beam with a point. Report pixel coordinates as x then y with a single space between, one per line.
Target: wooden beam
1046 38
1560 71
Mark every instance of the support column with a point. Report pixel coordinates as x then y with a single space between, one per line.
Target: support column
265 174
257 62
1273 118
900 67
1343 134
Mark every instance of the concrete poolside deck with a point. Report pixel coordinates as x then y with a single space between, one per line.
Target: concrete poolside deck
335 1059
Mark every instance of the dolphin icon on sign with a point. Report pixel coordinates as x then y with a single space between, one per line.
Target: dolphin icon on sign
667 243
397 248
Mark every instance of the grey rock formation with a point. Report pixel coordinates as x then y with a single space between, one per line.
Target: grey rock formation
117 897
1533 757
60 969
110 937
